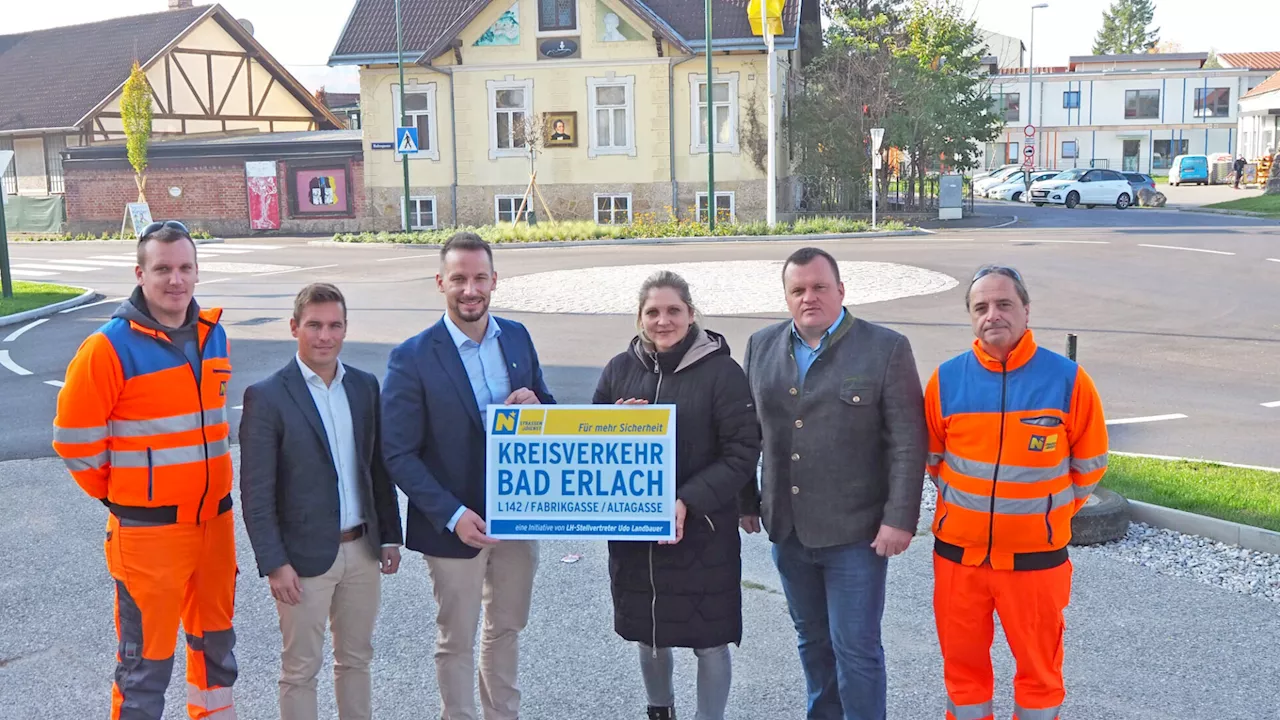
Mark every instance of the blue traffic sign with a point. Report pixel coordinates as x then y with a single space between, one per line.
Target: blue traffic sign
407 140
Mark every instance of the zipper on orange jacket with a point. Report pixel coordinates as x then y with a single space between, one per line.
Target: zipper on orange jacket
995 474
204 436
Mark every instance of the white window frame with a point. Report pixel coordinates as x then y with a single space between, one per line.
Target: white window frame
696 112
417 212
510 83
515 206
570 32
628 83
432 147
733 207
1075 149
595 205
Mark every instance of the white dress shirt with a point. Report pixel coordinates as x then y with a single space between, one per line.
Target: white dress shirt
486 370
335 413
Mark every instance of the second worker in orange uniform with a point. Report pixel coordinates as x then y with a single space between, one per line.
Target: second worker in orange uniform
1017 443
142 425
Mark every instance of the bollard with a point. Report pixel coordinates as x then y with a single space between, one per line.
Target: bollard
1071 346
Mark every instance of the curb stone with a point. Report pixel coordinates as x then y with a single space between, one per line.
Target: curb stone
1237 213
646 241
1224 531
47 310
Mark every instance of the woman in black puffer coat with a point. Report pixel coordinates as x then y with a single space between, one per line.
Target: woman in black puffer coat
687 593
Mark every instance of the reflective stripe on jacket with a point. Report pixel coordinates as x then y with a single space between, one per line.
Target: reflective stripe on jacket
1015 449
136 427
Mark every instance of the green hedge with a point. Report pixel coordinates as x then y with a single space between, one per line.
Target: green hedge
643 228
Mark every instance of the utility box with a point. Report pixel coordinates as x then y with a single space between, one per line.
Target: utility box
950 197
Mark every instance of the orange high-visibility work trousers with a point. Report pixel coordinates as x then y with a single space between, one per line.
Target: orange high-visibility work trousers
164 575
1030 604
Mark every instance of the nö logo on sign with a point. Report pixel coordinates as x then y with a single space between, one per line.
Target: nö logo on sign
505 422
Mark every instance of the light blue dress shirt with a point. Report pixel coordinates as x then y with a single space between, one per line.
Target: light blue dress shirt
805 355
486 369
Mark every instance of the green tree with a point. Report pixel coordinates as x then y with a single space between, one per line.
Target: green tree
135 114
945 109
1213 61
1126 29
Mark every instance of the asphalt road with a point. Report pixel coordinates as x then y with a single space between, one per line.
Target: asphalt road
1163 331
1174 311
1139 646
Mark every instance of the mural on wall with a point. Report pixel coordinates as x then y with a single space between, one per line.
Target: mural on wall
505 31
611 26
264 195
320 191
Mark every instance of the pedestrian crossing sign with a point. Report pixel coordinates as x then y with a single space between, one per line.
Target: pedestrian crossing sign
407 140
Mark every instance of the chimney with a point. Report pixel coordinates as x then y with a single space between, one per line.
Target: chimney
179 4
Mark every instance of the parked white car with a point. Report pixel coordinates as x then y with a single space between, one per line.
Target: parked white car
992 171
980 187
1014 187
1084 186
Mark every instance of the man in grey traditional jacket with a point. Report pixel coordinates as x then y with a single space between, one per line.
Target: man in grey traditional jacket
845 442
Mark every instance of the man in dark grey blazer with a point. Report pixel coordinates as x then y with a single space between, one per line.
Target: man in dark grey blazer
842 413
320 509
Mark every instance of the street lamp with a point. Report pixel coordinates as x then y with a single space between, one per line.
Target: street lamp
1031 90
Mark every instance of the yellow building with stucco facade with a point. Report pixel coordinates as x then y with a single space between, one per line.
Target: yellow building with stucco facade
627 78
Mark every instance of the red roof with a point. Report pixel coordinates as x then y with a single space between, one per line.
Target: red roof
1252 60
1040 70
1271 83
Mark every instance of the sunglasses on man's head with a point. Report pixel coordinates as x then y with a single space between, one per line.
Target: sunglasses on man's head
156 226
995 270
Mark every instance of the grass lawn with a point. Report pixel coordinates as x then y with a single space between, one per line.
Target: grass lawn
29 296
1245 496
1267 204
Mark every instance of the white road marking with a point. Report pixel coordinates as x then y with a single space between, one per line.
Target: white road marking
126 256
919 239
279 272
1149 418
1062 242
210 282
1275 404
1004 224
56 268
1175 247
243 246
95 304
223 250
55 383
8 363
408 257
101 263
32 273
238 407
242 268
1274 259
18 333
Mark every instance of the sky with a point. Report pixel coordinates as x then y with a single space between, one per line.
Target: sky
302 33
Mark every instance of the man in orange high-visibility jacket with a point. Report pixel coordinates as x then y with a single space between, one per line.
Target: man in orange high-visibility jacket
142 426
1017 443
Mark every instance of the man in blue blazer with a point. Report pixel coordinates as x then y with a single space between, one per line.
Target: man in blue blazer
434 400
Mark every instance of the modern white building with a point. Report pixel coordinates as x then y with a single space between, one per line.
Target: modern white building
1124 112
1006 51
1260 119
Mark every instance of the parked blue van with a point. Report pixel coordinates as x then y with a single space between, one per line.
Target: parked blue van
1189 169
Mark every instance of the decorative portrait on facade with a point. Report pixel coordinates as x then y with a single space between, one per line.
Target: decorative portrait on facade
562 129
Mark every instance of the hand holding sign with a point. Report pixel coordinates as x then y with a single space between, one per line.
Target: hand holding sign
470 530
522 396
631 401
681 511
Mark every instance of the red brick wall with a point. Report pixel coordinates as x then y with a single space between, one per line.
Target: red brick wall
214 197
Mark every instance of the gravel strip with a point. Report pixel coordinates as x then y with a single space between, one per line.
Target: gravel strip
1172 553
